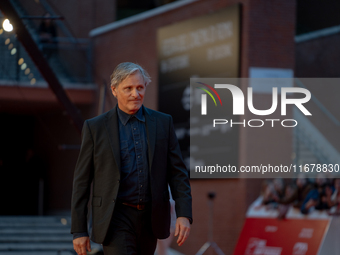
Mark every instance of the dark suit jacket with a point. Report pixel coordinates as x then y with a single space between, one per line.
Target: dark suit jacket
99 161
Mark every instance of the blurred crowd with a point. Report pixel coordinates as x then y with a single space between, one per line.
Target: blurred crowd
304 194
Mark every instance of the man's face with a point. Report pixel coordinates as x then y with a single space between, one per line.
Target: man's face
130 93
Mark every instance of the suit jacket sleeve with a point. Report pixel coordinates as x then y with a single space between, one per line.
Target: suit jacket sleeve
178 177
83 176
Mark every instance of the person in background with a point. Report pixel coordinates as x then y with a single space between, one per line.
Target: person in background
47 36
295 194
333 198
303 188
316 197
274 192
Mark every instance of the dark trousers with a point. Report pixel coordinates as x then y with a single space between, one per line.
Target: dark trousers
130 232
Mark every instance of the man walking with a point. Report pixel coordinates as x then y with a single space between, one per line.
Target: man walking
131 154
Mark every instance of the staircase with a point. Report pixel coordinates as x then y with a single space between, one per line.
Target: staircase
37 235
312 144
71 61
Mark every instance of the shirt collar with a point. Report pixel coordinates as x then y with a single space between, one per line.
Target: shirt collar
124 117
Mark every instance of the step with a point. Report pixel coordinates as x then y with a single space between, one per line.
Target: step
36 230
48 246
32 224
36 253
36 219
35 238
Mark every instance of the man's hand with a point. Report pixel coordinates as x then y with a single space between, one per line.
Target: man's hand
81 244
183 229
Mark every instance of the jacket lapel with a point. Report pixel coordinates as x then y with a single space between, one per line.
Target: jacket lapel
150 133
111 123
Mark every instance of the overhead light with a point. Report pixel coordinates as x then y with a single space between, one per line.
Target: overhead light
8 27
63 221
23 66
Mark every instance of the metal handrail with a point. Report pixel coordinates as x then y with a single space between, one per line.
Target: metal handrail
320 105
63 71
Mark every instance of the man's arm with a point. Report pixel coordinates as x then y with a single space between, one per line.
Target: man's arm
180 187
83 176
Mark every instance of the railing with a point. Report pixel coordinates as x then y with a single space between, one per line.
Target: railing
70 61
320 105
308 140
69 57
306 148
13 58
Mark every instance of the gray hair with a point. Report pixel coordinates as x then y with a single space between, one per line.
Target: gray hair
123 70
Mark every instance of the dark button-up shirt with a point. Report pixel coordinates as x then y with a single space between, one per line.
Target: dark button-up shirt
134 172
134 185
